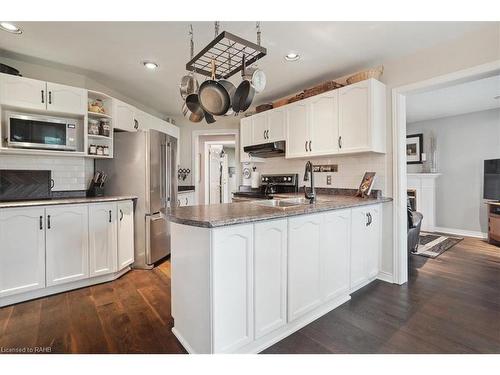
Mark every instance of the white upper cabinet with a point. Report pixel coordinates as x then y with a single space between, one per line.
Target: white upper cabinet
123 116
246 140
102 238
66 99
362 117
351 119
323 124
259 128
23 92
276 125
67 251
125 234
268 126
270 249
22 250
297 130
27 93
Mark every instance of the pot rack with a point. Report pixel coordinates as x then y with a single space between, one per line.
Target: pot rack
227 50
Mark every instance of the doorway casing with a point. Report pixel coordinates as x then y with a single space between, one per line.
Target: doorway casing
400 248
196 156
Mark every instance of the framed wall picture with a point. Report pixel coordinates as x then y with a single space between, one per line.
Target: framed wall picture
366 185
414 148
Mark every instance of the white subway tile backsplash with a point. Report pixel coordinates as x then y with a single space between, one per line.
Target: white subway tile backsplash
350 170
68 173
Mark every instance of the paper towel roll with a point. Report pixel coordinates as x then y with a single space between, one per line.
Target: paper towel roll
255 180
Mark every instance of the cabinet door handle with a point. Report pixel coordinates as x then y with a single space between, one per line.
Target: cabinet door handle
41 222
186 201
121 215
110 216
340 142
310 146
305 145
43 96
368 219
136 124
50 97
267 134
48 221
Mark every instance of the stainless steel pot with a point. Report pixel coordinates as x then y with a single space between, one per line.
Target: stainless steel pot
189 85
191 109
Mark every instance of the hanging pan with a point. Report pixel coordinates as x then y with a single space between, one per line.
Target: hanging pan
213 96
189 84
191 109
244 94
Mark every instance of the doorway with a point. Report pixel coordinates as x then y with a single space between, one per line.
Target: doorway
216 165
400 185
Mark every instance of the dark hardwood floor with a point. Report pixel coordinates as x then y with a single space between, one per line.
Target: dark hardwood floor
450 305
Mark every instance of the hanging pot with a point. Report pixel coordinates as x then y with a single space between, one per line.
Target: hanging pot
191 109
189 85
244 94
213 96
231 89
209 118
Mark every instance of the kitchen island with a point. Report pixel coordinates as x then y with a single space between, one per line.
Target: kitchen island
246 275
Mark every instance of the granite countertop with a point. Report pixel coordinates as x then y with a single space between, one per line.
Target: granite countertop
211 216
57 201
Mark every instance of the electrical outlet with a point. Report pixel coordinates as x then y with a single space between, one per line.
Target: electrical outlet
329 180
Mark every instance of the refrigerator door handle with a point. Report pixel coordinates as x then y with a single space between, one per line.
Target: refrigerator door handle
156 216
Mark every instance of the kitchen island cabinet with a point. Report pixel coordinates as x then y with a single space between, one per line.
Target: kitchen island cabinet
242 283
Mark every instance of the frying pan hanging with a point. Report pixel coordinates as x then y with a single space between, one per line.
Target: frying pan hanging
245 92
213 96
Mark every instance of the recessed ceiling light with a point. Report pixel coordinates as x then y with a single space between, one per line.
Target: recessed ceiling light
292 56
10 27
150 65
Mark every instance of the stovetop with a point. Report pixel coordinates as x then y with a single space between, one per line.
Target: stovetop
271 184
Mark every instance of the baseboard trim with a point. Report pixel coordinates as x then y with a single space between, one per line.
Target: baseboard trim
461 232
38 293
386 276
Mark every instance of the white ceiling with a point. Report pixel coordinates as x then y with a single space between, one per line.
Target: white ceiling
455 100
112 51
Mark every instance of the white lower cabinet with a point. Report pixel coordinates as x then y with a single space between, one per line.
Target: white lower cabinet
365 245
335 253
270 263
102 238
185 198
241 288
49 249
67 251
304 264
22 250
125 236
232 287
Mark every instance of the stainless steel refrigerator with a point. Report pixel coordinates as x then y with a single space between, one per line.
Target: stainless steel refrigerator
143 165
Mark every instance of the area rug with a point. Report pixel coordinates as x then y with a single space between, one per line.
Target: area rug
431 245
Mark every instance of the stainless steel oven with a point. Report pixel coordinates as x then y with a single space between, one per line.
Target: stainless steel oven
39 131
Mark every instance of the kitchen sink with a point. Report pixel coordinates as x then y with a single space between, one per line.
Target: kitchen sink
283 203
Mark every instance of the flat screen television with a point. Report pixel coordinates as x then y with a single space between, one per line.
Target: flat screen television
492 179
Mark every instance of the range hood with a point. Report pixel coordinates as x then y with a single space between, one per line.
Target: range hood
266 150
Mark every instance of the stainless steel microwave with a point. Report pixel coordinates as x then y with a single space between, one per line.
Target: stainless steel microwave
39 131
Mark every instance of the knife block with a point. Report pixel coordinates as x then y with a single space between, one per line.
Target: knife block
95 190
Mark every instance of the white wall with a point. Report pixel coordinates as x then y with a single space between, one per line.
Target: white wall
463 143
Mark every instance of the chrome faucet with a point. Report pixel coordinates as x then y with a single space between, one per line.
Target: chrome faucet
312 194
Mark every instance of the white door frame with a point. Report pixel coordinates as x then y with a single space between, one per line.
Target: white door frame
400 246
207 164
196 157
